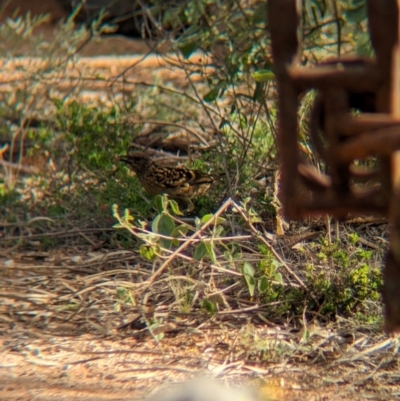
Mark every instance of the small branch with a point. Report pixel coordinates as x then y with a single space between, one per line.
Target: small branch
157 273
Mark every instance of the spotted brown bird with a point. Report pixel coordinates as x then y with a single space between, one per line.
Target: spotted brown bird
179 183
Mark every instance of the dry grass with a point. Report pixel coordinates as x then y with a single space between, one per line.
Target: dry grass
69 326
66 334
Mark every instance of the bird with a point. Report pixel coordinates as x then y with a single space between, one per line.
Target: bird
178 182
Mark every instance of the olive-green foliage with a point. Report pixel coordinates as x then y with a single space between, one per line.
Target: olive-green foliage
235 33
94 137
350 278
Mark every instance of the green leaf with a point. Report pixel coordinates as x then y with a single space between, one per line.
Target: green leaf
212 94
276 264
207 217
251 284
209 306
127 215
154 225
243 120
248 269
147 252
188 47
306 335
278 277
197 222
121 293
263 284
175 208
258 94
248 273
228 256
210 250
220 231
263 75
235 250
200 251
164 225
159 203
115 210
179 232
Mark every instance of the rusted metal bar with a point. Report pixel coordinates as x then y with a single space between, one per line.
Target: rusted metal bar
380 142
391 274
339 137
360 78
355 125
285 49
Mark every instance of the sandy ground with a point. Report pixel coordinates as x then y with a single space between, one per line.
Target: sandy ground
40 366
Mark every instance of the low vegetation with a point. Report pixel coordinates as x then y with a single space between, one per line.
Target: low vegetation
68 202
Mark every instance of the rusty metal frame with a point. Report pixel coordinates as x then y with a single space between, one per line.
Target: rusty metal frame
337 135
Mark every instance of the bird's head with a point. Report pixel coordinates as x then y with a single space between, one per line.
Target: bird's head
138 161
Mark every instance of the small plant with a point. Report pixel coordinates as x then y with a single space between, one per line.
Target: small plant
124 296
348 282
168 232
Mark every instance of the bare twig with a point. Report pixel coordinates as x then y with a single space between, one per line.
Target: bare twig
186 244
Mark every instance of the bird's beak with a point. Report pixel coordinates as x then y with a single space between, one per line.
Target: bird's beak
122 159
